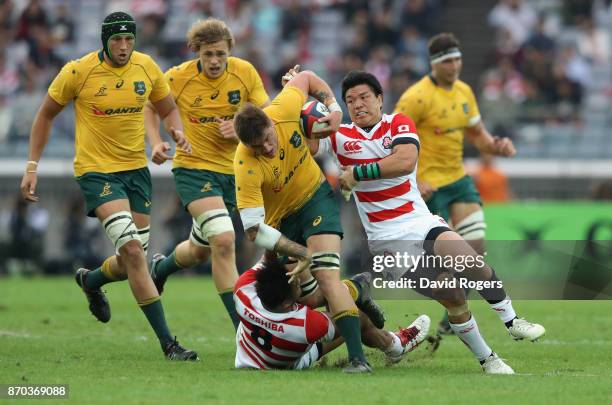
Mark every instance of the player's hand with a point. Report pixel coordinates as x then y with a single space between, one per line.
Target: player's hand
334 119
28 187
302 265
290 74
347 181
504 147
158 153
426 189
226 129
181 140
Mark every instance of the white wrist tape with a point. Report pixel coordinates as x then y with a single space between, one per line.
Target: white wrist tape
267 237
334 107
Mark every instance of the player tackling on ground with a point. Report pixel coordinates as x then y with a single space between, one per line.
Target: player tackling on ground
277 332
109 89
379 153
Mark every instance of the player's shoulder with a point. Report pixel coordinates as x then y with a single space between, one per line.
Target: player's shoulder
85 62
185 69
237 65
397 118
463 86
144 60
244 156
424 84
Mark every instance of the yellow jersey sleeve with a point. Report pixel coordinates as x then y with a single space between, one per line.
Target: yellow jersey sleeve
63 88
160 85
412 105
257 95
474 112
249 179
287 106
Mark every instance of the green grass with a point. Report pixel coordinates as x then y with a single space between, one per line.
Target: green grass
48 336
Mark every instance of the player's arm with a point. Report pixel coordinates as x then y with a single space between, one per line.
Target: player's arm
39 136
481 138
312 85
400 162
267 237
167 111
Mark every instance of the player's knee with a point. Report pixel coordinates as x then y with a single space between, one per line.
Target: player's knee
472 227
223 244
199 253
121 230
132 254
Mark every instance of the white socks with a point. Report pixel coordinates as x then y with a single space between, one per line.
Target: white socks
470 335
504 310
395 349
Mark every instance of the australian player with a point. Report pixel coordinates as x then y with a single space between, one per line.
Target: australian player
444 110
208 91
109 89
285 203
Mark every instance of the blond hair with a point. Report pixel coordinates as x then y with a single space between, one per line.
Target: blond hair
208 31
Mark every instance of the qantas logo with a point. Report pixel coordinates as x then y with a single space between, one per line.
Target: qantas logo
207 120
352 147
115 111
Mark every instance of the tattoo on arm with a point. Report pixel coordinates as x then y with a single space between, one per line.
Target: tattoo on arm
321 95
290 248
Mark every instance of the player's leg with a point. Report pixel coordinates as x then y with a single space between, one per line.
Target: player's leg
324 249
451 244
394 344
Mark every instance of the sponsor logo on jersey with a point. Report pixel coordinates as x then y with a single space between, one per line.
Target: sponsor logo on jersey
233 96
387 142
115 111
317 221
207 120
352 147
140 88
197 102
147 204
281 154
101 91
106 190
296 139
207 187
119 84
466 108
214 95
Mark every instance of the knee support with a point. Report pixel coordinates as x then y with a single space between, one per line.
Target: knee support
472 227
143 234
325 261
309 287
120 229
210 223
460 310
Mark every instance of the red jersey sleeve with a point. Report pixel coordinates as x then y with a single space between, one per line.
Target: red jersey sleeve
318 326
404 131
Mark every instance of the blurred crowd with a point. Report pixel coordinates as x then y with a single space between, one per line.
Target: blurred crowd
546 59
540 65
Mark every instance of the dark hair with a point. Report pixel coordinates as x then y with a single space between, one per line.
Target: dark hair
357 77
250 122
442 42
272 284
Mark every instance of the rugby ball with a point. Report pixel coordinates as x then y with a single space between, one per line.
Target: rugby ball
311 112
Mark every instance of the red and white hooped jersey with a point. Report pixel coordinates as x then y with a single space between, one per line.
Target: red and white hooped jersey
384 205
270 340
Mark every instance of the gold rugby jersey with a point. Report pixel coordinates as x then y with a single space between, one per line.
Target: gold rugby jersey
440 117
108 107
201 99
284 183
